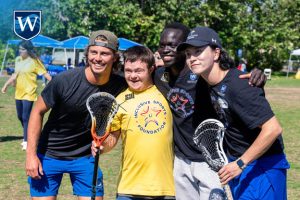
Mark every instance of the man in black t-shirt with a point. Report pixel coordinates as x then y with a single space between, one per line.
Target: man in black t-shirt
252 141
63 145
194 180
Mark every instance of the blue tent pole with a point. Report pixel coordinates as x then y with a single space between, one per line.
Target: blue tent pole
4 58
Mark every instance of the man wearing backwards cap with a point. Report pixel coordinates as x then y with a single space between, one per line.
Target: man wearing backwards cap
63 145
253 141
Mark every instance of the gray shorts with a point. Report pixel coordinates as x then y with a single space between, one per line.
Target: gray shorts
195 180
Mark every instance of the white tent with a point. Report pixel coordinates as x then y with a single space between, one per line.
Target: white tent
293 53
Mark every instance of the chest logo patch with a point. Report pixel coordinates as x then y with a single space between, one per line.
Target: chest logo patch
181 102
150 117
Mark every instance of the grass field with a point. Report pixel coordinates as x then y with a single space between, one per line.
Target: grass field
284 95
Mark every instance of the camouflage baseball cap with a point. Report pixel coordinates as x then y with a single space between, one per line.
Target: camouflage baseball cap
112 39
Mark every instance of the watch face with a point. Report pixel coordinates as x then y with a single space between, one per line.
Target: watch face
240 163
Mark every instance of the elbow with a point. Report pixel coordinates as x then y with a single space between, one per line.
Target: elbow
279 130
276 129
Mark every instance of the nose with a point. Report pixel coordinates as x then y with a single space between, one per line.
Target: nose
98 57
133 76
192 58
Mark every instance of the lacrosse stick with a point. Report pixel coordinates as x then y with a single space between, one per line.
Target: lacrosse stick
209 139
102 108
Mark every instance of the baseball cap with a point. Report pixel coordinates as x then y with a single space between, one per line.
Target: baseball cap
201 36
112 39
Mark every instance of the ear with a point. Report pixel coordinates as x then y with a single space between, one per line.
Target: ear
217 54
116 56
151 69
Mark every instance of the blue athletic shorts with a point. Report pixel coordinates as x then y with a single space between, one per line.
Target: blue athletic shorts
81 175
263 179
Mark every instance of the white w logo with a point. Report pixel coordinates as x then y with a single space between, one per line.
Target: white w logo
22 26
27 23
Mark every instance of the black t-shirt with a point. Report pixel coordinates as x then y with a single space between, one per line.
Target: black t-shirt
66 134
181 94
242 109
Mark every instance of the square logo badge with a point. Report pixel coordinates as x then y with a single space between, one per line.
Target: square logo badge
27 23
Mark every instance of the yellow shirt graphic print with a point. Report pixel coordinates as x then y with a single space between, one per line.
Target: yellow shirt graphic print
150 116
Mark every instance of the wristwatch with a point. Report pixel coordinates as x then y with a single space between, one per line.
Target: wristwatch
241 164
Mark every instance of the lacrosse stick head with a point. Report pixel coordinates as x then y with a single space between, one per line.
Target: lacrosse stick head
209 139
102 107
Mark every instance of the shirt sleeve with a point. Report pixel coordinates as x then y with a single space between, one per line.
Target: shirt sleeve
116 122
53 92
251 106
39 67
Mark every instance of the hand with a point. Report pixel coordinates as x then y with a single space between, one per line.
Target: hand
34 167
3 90
256 78
94 149
228 172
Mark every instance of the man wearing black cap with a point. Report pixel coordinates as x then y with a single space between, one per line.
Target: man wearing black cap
194 180
63 146
252 141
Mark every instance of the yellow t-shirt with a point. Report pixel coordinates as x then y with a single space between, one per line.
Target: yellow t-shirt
26 82
147 137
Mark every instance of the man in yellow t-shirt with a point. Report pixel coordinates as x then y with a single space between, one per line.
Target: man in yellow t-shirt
144 122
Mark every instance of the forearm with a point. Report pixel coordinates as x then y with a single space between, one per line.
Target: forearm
10 81
35 125
110 142
34 131
270 131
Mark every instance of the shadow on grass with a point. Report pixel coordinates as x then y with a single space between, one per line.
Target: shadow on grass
10 138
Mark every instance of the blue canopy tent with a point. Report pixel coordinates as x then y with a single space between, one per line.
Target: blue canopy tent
80 42
38 41
125 44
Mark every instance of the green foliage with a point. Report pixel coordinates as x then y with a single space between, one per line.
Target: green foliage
266 31
9 55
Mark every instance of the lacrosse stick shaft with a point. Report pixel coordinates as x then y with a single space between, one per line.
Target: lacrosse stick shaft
228 192
95 174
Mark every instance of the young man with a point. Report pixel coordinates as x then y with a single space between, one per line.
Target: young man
194 180
253 139
144 121
63 146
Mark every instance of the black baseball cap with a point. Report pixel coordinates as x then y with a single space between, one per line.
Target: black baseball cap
201 36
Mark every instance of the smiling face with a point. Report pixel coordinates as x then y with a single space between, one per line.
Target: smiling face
138 75
101 59
201 59
169 40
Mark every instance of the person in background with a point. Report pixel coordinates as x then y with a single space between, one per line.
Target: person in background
27 68
46 60
253 141
242 65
